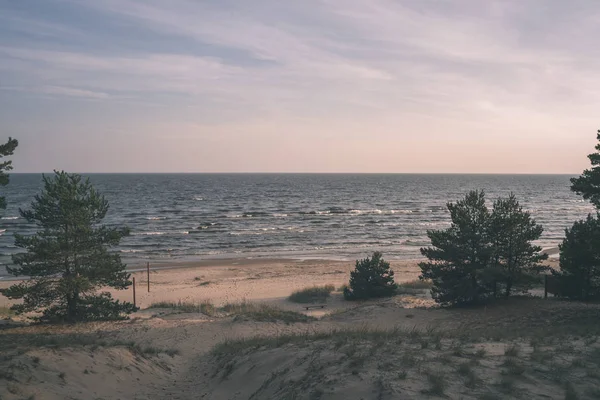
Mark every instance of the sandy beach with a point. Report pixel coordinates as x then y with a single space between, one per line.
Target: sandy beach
229 281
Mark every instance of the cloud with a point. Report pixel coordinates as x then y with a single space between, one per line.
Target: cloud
59 91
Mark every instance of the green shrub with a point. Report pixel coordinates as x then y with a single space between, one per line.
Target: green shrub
315 294
371 278
579 276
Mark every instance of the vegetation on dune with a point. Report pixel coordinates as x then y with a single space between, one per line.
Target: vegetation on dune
16 343
240 310
588 184
454 363
515 260
416 284
483 252
264 313
6 149
68 260
579 275
459 254
204 307
315 294
371 278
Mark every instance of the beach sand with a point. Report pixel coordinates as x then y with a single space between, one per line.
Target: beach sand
229 281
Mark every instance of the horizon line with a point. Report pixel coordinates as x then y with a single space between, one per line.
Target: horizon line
300 173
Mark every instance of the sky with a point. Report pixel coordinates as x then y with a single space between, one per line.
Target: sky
413 86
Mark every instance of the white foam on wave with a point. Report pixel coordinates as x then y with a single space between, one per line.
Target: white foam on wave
155 218
160 233
199 198
276 215
11 218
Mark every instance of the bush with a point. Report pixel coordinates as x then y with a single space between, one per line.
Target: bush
579 276
315 294
371 278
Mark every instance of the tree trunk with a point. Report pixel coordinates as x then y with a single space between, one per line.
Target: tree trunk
475 289
509 284
72 301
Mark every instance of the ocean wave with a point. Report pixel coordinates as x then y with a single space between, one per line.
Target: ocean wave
10 218
160 233
199 198
207 225
155 218
266 231
355 211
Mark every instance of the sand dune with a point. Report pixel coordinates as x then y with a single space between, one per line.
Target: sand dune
385 349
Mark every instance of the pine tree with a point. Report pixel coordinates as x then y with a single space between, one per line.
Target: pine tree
460 255
68 260
588 184
6 149
512 231
579 276
371 278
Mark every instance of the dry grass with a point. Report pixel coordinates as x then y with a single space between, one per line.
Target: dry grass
477 363
240 311
315 294
416 284
6 312
12 344
264 313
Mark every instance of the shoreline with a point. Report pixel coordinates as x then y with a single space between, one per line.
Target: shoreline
140 266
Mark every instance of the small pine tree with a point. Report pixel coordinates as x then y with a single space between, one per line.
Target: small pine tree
460 255
579 276
68 259
6 149
371 278
512 231
588 184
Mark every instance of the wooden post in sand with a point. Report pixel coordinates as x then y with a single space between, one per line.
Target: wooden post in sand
134 304
148 269
545 286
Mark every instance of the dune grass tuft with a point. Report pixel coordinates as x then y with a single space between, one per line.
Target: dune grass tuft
256 312
315 294
6 312
264 313
183 306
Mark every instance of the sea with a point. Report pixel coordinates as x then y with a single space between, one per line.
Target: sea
191 217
